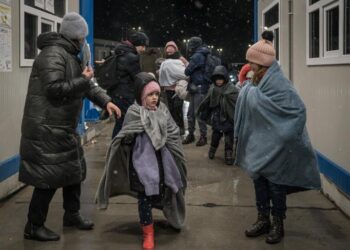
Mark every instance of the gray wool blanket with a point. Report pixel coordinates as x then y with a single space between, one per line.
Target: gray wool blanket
162 130
272 140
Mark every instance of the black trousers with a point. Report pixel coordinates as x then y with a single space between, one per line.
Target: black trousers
175 108
39 205
216 137
266 193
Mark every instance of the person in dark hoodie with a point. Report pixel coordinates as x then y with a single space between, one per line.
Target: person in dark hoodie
146 160
51 153
218 109
198 88
128 65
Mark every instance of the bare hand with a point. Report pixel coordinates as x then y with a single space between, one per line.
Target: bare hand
112 108
88 72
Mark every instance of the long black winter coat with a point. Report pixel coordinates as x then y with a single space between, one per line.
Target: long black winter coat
50 150
128 65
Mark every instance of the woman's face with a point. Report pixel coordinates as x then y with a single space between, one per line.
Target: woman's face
170 50
254 67
152 99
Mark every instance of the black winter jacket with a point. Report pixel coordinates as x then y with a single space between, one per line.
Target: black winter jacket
128 65
50 149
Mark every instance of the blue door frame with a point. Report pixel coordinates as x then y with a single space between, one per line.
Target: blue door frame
89 112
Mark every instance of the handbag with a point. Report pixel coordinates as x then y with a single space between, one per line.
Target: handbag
181 90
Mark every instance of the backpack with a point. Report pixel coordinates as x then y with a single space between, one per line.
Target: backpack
211 62
106 72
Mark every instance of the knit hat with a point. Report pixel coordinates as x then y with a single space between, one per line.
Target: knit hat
139 39
74 26
173 44
150 87
262 53
194 43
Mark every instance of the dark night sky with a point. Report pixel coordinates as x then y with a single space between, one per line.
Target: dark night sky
225 24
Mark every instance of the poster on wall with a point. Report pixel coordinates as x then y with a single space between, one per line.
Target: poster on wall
50 6
5 38
40 4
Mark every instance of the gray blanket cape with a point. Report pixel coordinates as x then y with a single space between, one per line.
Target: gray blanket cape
162 130
272 139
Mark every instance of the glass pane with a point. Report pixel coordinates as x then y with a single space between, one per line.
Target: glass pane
45 27
347 27
31 32
313 1
271 16
58 5
277 43
58 27
332 35
314 35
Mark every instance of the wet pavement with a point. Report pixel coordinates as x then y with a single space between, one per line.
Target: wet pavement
220 205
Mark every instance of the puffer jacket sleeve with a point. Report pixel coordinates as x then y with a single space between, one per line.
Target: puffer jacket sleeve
197 61
52 68
132 65
97 95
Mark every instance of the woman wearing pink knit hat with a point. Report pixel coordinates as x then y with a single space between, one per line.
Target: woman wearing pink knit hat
171 51
272 142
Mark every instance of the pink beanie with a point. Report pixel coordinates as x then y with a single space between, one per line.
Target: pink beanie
173 44
262 53
150 87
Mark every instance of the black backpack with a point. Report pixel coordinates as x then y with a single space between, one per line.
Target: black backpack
106 72
211 62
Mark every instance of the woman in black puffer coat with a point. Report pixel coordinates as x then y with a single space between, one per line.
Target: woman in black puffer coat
50 150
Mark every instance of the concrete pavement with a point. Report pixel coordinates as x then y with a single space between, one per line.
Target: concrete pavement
220 205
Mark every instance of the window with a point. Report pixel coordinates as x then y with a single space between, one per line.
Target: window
313 1
347 27
271 22
314 34
328 32
38 16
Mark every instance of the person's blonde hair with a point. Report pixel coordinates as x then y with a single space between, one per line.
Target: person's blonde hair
259 74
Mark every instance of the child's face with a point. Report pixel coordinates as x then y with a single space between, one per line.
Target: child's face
152 99
219 82
254 67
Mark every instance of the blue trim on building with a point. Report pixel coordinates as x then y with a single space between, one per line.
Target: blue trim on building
338 175
86 8
9 167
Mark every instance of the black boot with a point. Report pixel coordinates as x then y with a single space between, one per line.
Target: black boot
189 139
261 226
76 220
277 232
40 233
228 157
202 141
211 153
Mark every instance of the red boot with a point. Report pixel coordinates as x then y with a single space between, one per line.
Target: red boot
148 237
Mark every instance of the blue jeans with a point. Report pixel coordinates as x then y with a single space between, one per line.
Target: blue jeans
123 104
266 191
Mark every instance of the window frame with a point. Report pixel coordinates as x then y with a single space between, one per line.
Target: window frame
42 17
326 57
274 27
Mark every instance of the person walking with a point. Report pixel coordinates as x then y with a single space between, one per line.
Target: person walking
146 161
128 65
171 51
51 153
272 141
198 87
218 109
